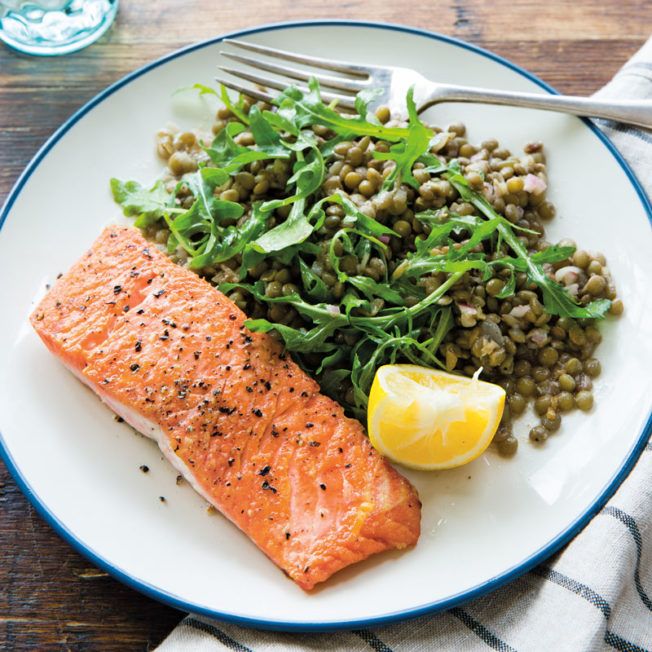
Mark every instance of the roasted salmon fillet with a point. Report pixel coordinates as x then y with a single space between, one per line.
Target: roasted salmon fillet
247 428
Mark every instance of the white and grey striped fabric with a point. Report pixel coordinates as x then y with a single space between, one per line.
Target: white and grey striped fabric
594 595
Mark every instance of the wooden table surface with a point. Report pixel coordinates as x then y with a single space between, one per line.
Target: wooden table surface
51 597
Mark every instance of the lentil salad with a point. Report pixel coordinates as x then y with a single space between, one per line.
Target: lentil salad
367 240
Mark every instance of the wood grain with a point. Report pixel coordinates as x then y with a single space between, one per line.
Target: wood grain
50 597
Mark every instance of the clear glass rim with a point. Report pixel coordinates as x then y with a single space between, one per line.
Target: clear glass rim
45 48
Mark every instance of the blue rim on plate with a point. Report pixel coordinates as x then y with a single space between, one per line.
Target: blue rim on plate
481 589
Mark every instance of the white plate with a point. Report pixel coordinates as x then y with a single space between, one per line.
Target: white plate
482 524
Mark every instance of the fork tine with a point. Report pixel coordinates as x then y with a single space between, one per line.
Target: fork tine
326 64
272 83
251 92
338 83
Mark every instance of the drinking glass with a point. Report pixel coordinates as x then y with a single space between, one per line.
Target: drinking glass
50 27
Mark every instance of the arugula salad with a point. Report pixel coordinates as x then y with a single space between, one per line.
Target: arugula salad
361 240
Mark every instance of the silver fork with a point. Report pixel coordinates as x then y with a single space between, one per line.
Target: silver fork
394 83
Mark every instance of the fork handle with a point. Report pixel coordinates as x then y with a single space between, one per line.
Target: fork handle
635 112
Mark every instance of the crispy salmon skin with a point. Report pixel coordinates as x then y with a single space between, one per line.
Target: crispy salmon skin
236 416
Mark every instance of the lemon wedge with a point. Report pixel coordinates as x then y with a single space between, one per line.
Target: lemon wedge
428 419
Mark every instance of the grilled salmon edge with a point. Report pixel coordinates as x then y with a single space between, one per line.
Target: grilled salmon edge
148 428
396 527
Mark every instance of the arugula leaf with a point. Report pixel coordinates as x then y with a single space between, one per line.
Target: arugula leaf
479 233
294 230
364 98
365 245
339 236
433 163
358 218
236 238
300 340
338 355
406 152
202 185
440 231
309 173
224 149
509 287
308 109
372 289
281 122
213 177
202 88
318 313
553 254
267 139
231 157
441 322
417 266
237 110
251 257
363 370
557 301
147 205
350 301
313 284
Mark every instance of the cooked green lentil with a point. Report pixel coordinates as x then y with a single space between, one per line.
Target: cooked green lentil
494 318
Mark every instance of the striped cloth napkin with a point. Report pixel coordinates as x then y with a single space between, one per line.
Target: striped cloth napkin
594 595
